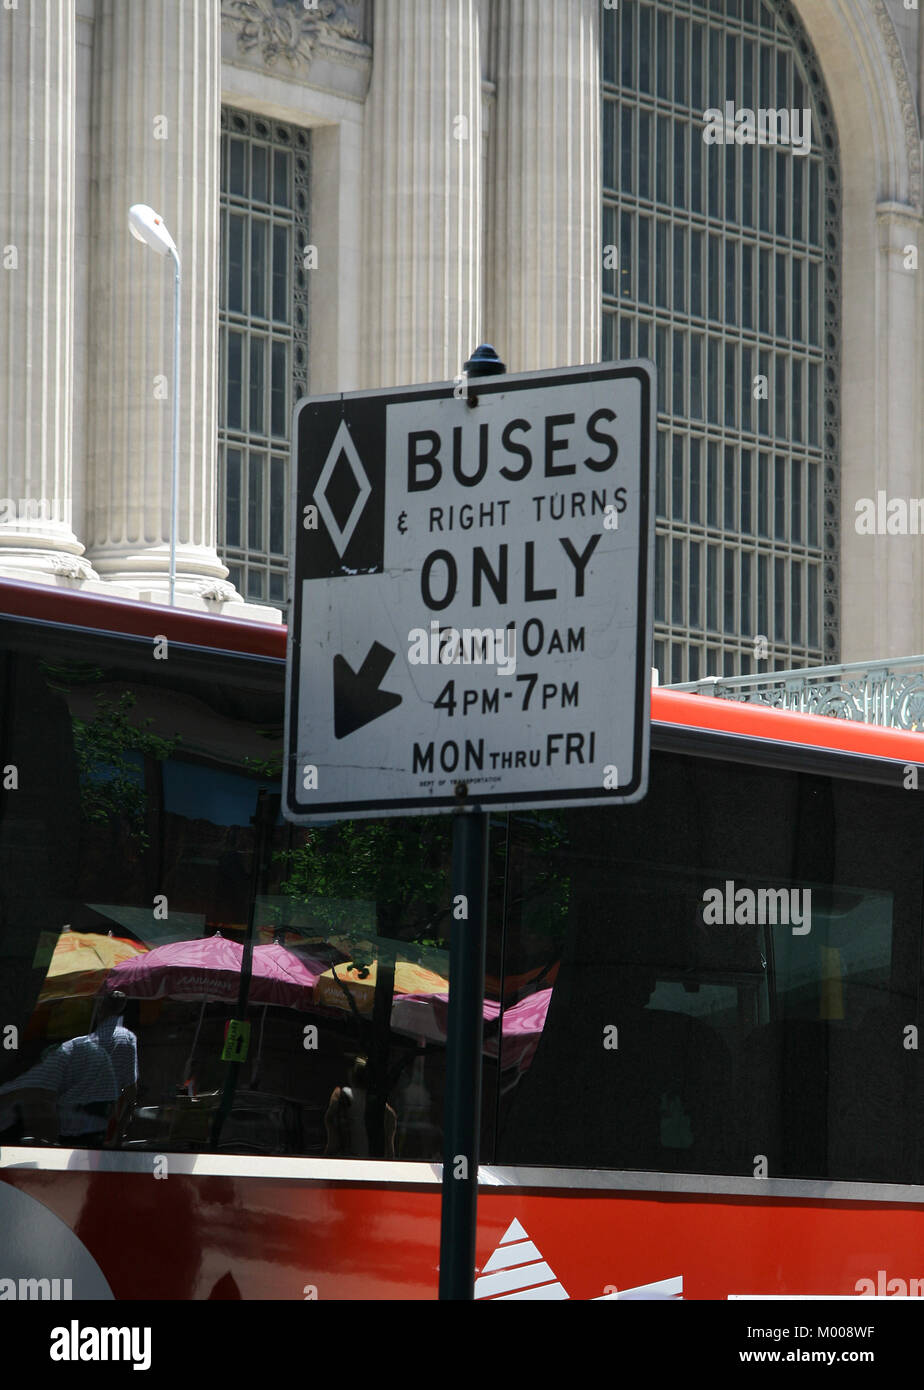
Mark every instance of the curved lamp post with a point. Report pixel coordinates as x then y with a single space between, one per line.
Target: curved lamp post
148 227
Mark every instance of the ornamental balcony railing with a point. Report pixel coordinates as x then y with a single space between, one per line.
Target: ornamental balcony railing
888 693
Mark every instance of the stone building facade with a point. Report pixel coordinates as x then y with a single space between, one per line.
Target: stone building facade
362 192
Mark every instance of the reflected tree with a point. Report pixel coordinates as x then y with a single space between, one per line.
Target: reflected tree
110 751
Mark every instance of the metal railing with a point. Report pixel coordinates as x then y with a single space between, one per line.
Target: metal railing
887 693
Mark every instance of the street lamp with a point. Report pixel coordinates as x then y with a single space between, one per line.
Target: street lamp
146 226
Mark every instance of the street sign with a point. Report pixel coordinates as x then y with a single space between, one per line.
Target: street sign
471 595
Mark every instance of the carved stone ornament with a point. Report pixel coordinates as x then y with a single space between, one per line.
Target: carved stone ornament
71 567
288 29
906 101
216 590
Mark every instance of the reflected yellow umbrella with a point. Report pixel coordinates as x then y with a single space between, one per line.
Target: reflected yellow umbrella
81 961
410 978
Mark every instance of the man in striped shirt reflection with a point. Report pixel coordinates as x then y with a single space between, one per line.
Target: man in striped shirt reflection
73 1093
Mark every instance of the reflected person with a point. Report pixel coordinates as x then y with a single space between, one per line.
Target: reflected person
121 1046
66 1098
347 1136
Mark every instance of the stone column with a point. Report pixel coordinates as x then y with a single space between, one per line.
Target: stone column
422 178
156 115
37 152
882 575
543 302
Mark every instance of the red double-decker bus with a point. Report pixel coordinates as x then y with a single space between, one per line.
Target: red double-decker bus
701 1058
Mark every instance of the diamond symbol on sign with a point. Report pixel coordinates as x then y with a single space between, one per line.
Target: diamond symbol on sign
342 448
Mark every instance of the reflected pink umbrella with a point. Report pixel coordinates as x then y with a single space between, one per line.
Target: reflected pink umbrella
426 1016
209 969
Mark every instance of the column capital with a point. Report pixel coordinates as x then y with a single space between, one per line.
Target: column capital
899 214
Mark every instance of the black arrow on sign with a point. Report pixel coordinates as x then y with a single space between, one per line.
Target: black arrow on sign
357 697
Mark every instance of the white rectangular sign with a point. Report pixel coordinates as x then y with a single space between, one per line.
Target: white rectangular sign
471 582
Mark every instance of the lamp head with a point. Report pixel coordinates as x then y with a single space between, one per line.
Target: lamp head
148 227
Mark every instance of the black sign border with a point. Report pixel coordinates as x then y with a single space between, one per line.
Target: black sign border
641 369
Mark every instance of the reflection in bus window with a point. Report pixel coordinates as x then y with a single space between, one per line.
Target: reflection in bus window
625 1025
745 1040
135 841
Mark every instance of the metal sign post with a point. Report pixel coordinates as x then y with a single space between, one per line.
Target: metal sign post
465 1027
462 1104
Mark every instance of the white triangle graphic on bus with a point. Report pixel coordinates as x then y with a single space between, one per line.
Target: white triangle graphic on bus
513 1232
516 1269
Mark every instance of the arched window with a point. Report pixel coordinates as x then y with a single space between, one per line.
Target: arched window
722 264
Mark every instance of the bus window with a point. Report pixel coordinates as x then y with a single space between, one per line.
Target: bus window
850 940
738 969
127 855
